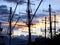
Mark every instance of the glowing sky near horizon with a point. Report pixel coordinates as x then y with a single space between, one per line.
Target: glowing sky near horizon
22 8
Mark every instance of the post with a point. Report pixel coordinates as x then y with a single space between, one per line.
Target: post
54 25
10 25
29 23
45 27
50 21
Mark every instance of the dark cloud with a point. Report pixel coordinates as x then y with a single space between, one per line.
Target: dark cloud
3 9
15 1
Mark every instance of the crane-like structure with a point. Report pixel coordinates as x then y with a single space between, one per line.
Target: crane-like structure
11 15
29 18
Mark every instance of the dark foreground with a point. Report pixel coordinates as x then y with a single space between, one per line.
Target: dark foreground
41 41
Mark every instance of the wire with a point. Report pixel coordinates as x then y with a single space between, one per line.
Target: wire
16 8
14 11
36 10
16 22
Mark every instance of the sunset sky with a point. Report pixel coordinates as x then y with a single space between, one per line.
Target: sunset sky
22 7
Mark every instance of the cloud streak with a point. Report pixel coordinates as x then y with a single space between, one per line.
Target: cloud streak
15 1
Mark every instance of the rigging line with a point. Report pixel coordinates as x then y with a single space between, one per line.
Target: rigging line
16 22
9 19
36 10
14 10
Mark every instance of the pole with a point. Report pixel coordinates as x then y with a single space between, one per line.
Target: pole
29 23
10 25
54 25
50 21
45 27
